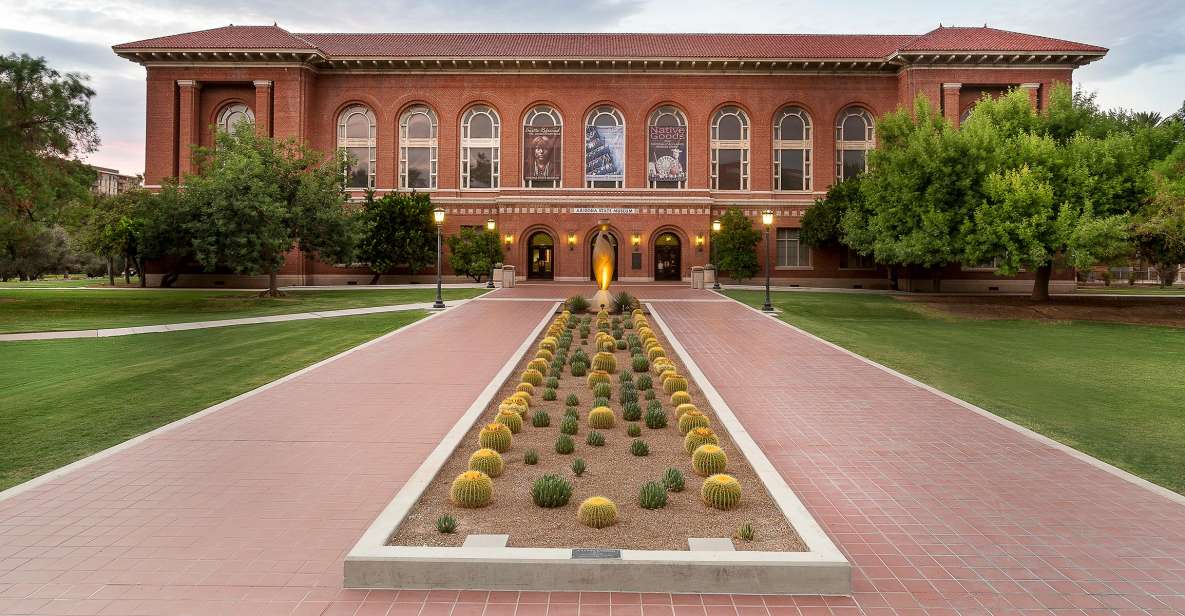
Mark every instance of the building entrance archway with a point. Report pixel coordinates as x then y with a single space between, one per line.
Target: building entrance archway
540 256
668 257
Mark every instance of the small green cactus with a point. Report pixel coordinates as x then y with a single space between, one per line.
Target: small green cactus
601 418
549 394
650 395
487 461
639 448
597 512
600 402
697 437
656 418
551 491
569 425
495 436
531 457
564 445
626 376
571 412
631 411
673 480
628 394
745 532
634 430
572 400
603 390
596 439
472 489
446 525
691 420
578 466
552 382
532 376
644 382
541 419
621 344
721 492
511 420
709 460
579 368
653 496
640 363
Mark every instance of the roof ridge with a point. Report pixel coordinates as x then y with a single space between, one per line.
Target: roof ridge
524 33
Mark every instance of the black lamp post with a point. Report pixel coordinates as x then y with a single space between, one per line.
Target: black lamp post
712 249
438 218
767 219
490 226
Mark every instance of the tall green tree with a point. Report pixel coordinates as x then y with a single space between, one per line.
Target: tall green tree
1159 230
112 227
473 252
736 245
822 225
396 229
254 199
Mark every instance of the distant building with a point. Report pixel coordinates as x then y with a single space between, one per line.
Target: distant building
111 182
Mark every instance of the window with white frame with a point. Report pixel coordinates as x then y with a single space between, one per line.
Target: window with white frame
355 136
792 251
481 134
792 149
542 147
418 148
854 137
604 148
730 149
232 114
667 148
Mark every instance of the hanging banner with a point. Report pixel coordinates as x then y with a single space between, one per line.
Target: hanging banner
541 152
668 154
604 151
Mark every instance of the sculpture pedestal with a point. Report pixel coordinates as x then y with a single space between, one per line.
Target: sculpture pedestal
601 299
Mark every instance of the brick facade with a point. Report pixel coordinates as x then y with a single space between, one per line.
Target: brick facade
295 98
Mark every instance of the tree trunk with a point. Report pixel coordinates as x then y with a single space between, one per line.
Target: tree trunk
273 290
111 270
169 278
127 270
1168 275
140 269
375 279
1041 283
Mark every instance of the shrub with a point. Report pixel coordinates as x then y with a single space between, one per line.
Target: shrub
472 489
745 532
549 393
597 512
541 419
639 448
572 400
643 382
578 466
631 411
564 445
569 425
623 303
601 418
577 304
697 437
653 496
634 430
487 461
656 418
721 492
709 460
531 458
691 420
596 439
551 491
511 420
495 436
532 376
603 390
446 525
673 480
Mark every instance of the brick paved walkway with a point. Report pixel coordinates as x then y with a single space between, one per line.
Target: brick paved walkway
249 510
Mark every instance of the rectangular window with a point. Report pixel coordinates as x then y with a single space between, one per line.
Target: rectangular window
854 260
481 167
791 251
793 169
853 163
419 168
730 169
358 175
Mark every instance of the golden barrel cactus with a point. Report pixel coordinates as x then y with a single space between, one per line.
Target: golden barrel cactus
527 387
697 437
680 398
604 361
514 404
673 383
496 436
683 407
721 491
472 489
545 355
597 512
598 376
709 460
549 344
532 376
692 420
655 352
539 365
511 419
523 397
487 461
601 418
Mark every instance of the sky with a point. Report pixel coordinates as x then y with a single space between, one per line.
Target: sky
1144 70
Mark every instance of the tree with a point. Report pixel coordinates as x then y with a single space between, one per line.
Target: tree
396 229
822 225
255 199
1159 231
164 231
112 228
474 252
736 245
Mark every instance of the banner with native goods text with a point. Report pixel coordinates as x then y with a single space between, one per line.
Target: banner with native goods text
604 152
668 154
542 152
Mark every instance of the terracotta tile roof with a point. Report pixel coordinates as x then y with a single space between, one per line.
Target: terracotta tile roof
605 45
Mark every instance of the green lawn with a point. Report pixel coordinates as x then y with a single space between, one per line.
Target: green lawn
1123 289
50 310
61 400
58 281
1114 391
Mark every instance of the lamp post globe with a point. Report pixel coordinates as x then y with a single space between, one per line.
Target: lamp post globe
438 218
767 220
491 226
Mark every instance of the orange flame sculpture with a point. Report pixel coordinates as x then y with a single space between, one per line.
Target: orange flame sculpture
602 262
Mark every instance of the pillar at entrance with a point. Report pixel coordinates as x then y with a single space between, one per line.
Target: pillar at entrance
188 126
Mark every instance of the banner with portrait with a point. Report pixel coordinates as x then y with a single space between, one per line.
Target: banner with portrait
542 149
667 159
604 151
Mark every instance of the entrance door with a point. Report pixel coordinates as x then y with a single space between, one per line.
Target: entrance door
592 242
540 258
668 255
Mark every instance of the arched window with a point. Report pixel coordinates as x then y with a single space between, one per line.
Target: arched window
417 148
666 136
792 149
542 147
854 137
730 149
355 135
604 148
232 114
481 141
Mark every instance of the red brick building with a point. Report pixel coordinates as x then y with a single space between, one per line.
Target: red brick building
548 133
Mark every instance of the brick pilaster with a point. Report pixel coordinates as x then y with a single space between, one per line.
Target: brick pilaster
1033 89
950 102
263 108
188 126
